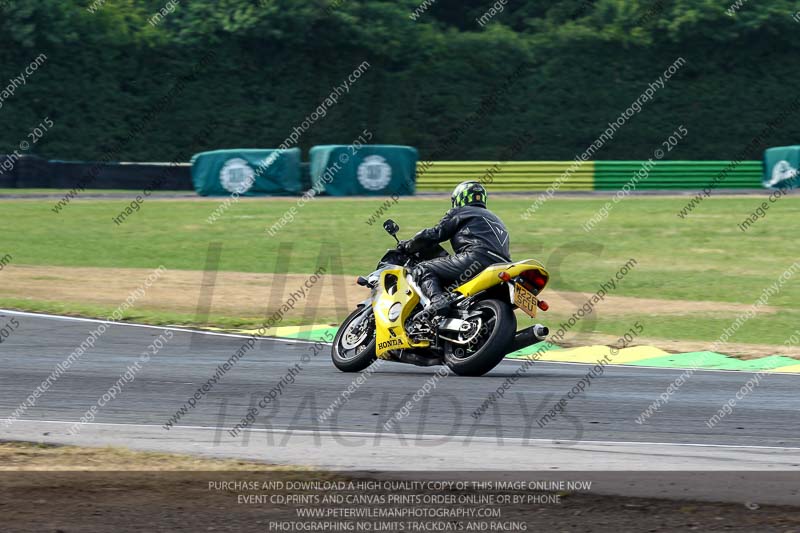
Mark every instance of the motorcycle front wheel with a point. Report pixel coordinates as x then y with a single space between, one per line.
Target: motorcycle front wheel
353 347
495 328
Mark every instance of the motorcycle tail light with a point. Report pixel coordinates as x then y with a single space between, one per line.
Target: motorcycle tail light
536 278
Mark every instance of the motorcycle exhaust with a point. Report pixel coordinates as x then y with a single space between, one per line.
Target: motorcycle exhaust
528 336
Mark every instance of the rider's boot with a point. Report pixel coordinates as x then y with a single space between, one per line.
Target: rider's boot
440 301
439 304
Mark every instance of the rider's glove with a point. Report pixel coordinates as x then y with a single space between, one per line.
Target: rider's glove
403 246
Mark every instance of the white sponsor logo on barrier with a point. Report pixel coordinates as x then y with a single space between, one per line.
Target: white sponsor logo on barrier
782 171
374 173
236 176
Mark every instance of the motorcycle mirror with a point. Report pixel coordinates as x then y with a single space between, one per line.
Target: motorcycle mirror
391 227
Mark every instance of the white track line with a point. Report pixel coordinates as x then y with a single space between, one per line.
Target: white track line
428 436
301 341
148 326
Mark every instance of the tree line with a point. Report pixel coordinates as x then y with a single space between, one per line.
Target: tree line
558 73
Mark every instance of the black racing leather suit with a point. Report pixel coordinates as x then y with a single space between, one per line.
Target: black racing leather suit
478 237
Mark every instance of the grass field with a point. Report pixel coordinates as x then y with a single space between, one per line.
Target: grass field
703 258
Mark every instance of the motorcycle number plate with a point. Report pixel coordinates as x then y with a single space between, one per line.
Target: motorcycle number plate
525 300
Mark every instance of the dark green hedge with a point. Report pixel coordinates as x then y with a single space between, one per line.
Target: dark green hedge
268 69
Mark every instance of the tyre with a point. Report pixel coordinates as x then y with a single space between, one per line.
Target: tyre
496 329
353 347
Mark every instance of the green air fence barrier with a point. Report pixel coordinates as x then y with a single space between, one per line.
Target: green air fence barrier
247 172
780 167
370 170
691 175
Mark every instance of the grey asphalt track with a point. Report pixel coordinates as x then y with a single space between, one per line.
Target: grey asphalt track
770 416
597 433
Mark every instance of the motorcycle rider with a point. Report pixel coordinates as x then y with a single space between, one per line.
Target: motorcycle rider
478 237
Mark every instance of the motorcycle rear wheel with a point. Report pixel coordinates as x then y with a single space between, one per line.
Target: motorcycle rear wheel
498 325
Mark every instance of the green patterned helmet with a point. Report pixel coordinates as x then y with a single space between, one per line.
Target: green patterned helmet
469 193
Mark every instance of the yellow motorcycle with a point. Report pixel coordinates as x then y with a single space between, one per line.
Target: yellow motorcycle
471 339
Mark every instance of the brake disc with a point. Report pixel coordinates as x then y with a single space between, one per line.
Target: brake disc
352 339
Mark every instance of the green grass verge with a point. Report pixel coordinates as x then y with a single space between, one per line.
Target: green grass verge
703 257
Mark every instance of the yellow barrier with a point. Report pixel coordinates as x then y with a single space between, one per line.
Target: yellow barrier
518 176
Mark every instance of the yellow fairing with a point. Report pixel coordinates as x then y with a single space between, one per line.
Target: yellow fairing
390 334
489 277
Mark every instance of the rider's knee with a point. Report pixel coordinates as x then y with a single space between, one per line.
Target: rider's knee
421 272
